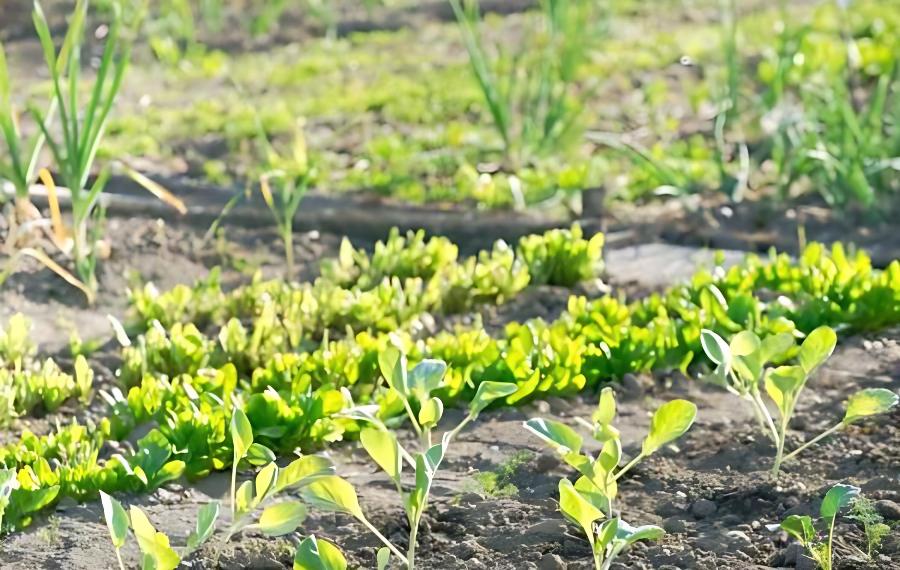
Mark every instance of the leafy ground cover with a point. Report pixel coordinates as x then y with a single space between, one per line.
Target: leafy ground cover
246 397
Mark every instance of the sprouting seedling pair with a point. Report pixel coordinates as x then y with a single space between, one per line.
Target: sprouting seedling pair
590 498
414 388
276 518
802 528
156 550
741 369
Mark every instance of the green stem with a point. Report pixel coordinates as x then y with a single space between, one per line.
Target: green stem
119 558
761 406
828 559
411 551
288 238
233 490
625 469
459 428
816 439
412 417
779 450
384 540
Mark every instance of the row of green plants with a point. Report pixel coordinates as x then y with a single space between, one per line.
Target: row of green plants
297 399
402 278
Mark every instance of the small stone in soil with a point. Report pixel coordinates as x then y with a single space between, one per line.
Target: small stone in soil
674 525
551 562
546 461
888 509
703 508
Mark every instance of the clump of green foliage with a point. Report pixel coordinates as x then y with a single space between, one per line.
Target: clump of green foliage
864 511
498 482
801 526
741 369
532 94
590 498
562 257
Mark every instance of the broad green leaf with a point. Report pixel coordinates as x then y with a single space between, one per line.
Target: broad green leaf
715 348
393 367
744 343
427 465
431 412
243 500
604 415
632 534
606 408
783 384
258 454
670 422
265 482
241 434
304 470
426 377
282 518
333 493
152 543
560 436
800 527
487 392
816 348
382 447
836 499
775 346
116 519
317 554
606 534
869 402
577 508
383 558
206 525
596 494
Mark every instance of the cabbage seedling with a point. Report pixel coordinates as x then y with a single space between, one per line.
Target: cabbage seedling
591 497
741 369
802 528
414 388
154 545
599 475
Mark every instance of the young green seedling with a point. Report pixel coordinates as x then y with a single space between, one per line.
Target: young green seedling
317 554
865 512
275 519
599 475
741 369
413 387
291 177
157 553
82 127
591 497
801 527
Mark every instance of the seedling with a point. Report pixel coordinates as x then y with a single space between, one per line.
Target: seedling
155 549
741 369
864 511
591 497
291 178
802 528
82 127
413 388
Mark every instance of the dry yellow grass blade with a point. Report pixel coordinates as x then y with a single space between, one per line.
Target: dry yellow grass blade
59 270
59 229
156 189
266 191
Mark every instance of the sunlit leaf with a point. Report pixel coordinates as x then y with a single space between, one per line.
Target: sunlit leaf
670 421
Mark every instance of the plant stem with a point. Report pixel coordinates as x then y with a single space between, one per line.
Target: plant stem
458 428
119 558
381 537
411 550
288 238
819 437
765 412
625 469
779 450
828 558
412 417
233 490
